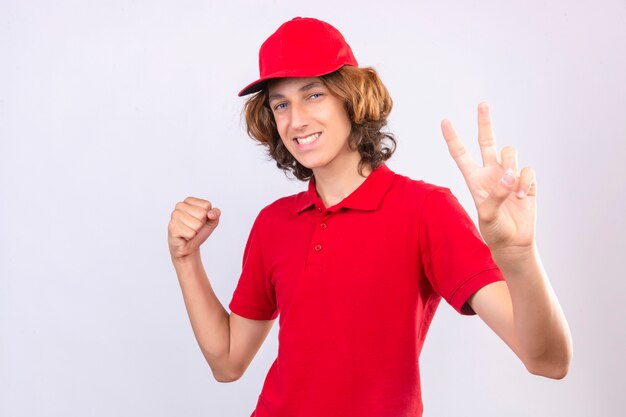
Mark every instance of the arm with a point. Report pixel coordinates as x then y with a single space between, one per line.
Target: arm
523 311
228 342
525 314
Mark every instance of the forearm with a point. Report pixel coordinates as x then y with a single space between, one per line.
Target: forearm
540 325
209 319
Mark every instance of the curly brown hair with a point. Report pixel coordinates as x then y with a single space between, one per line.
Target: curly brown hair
367 103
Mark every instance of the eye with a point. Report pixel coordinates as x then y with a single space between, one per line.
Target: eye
315 96
280 106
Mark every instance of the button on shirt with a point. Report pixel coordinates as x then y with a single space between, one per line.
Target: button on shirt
355 287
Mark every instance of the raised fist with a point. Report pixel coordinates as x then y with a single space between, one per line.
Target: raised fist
192 221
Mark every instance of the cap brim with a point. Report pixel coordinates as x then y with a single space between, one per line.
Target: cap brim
259 84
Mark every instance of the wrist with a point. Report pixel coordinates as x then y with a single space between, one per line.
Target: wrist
188 260
516 257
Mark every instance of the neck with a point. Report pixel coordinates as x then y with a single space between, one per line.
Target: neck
337 182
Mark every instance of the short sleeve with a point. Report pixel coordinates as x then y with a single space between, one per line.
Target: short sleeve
254 297
456 260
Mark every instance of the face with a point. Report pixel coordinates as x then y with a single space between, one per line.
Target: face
312 123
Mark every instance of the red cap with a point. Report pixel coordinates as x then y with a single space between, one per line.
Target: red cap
301 47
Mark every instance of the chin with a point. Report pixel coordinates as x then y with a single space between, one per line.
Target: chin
312 163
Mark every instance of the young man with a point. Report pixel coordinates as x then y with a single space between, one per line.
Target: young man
357 264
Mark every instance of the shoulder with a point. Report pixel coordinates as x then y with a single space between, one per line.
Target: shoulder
283 208
417 191
434 206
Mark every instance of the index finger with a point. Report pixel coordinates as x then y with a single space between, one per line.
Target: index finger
198 202
457 150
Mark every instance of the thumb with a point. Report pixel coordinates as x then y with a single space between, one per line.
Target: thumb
214 214
491 205
213 219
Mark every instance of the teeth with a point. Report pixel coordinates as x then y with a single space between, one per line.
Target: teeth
308 139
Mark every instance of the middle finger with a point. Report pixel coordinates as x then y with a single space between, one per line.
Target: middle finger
486 137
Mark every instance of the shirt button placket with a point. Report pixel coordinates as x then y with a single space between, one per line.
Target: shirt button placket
318 247
319 237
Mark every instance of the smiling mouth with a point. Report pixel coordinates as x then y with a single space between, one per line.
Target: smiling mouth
307 139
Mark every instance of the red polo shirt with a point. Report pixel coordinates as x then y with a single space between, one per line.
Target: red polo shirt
356 286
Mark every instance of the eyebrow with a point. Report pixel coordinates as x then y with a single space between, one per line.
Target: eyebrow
277 96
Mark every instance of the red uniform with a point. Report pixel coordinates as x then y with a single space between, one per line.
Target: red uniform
356 286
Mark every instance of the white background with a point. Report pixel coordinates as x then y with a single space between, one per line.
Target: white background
112 111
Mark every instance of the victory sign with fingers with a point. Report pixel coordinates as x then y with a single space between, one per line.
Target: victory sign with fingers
505 198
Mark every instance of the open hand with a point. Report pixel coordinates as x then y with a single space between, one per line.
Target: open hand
504 198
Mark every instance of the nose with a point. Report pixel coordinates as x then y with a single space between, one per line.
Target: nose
299 116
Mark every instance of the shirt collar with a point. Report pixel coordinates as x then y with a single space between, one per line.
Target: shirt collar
366 197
